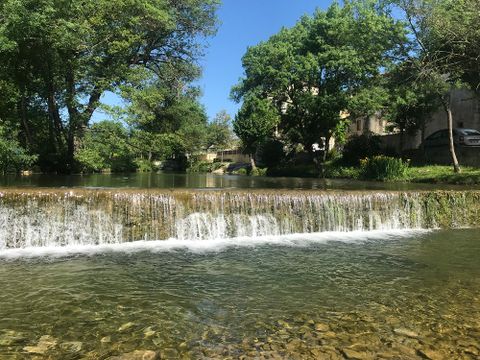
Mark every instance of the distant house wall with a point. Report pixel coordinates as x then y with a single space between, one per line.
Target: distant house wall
466 114
465 110
234 156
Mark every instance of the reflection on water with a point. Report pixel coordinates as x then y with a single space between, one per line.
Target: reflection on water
403 298
204 181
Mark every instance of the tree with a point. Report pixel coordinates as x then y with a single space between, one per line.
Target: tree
219 131
433 64
106 146
64 55
316 70
411 100
255 121
13 157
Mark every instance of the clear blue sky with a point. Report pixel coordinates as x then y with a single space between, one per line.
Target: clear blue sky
243 23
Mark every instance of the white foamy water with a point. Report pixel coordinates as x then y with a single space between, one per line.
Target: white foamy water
210 246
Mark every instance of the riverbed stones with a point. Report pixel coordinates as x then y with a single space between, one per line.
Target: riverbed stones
11 337
71 346
137 355
126 326
322 327
352 354
405 332
106 339
45 343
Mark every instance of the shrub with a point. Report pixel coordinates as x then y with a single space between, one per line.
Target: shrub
205 166
241 171
384 168
258 172
361 147
270 153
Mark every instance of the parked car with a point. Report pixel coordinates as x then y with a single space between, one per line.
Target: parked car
461 137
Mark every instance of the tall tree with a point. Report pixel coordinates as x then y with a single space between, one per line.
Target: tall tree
434 65
314 71
65 54
255 122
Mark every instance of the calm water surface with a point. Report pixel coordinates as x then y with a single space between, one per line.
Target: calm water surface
206 181
392 296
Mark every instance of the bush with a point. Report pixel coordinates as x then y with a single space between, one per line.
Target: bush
14 158
270 153
205 167
258 172
384 168
361 147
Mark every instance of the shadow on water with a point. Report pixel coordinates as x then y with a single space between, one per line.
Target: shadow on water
169 180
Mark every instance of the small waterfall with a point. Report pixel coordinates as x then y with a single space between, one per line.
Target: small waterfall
56 218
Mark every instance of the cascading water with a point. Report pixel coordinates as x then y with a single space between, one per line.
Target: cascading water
62 218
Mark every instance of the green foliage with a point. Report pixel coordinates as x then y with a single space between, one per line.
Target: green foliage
57 59
384 168
327 63
106 147
13 158
360 147
270 153
220 132
205 166
259 172
255 121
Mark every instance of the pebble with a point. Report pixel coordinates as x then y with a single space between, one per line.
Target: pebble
322 327
126 326
11 337
137 355
72 346
45 344
405 332
106 339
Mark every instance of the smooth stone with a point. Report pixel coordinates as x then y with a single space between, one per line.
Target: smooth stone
126 326
45 344
149 332
137 355
329 335
405 332
106 339
322 327
168 353
72 346
355 355
11 337
284 324
432 354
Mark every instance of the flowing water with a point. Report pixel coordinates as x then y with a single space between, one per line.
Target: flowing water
99 274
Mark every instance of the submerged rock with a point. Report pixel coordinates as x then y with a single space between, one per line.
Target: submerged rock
106 339
137 355
405 332
11 337
45 344
72 346
322 327
126 326
356 355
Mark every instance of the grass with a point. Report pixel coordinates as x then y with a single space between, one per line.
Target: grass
443 175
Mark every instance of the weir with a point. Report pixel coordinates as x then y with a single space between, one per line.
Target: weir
59 218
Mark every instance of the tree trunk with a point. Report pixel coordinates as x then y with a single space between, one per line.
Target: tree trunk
422 144
402 140
456 166
22 107
252 162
